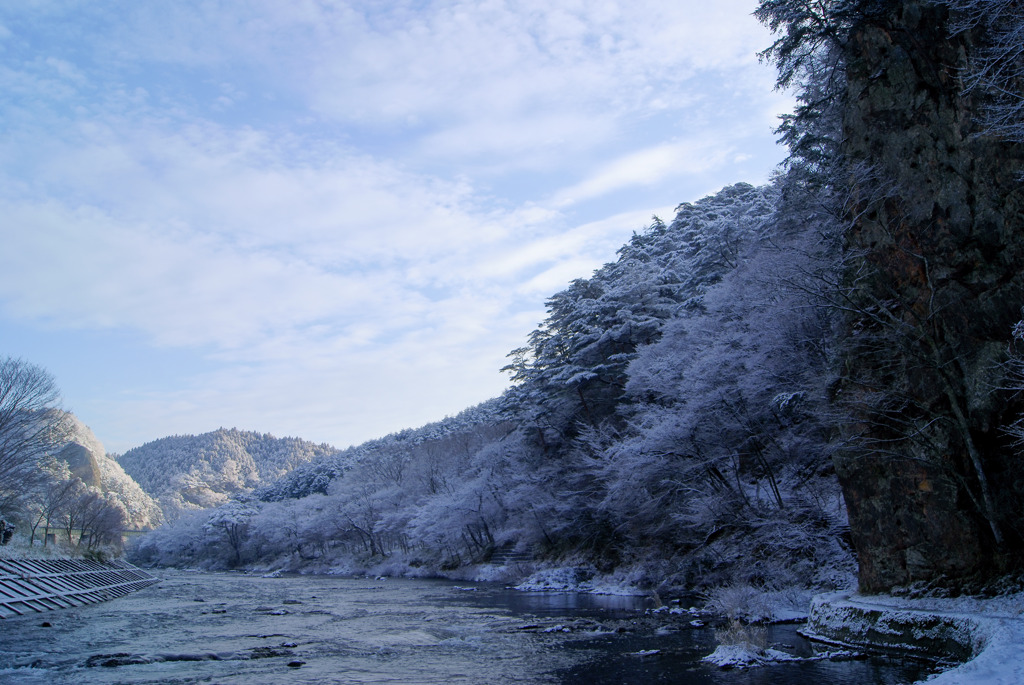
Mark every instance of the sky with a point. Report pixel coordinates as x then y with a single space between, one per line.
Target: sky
333 220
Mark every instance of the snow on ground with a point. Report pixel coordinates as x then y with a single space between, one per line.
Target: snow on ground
572 579
19 548
998 636
994 628
743 656
999 662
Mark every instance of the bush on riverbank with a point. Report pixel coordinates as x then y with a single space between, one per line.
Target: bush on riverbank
19 548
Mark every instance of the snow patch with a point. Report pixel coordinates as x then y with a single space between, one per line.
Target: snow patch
988 631
743 656
998 662
573 579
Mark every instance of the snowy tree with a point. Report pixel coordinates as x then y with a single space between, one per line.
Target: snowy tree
178 542
101 520
727 435
314 477
49 500
996 72
229 527
30 428
574 367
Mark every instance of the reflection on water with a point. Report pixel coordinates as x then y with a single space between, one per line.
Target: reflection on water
230 628
558 603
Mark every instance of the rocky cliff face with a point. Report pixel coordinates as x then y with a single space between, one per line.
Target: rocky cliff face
936 282
82 464
87 459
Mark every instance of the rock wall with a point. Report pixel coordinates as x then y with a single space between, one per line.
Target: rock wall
836 619
82 464
936 282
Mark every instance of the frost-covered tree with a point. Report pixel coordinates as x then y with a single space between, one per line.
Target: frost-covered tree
31 426
229 527
363 503
574 368
995 74
49 500
728 435
311 478
101 520
178 542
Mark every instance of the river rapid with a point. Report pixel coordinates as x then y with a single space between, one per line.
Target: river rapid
233 628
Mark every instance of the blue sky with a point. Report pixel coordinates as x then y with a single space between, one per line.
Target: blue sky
332 220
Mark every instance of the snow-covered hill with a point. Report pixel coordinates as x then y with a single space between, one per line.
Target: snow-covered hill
199 471
88 459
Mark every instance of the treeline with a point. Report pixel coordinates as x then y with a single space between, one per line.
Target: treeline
189 472
55 477
666 419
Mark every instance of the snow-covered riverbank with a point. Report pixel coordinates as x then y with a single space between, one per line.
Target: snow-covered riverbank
985 634
251 630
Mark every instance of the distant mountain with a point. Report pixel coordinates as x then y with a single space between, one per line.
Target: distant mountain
199 471
88 459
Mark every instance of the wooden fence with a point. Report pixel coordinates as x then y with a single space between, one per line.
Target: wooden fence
36 585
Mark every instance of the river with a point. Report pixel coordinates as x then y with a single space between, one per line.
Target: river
233 628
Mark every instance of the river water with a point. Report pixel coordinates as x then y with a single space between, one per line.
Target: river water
232 628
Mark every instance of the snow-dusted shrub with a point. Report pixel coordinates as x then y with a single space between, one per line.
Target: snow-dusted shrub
749 604
753 638
563 579
740 601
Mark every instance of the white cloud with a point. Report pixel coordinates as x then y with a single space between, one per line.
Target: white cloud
348 210
208 241
443 63
646 167
539 140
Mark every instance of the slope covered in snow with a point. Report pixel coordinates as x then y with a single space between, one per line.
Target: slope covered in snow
88 460
199 471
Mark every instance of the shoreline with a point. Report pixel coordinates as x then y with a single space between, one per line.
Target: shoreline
978 639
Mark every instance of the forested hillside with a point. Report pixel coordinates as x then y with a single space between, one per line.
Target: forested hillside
695 413
665 420
58 479
197 471
106 475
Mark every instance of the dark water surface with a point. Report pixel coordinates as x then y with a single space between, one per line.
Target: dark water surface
231 628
